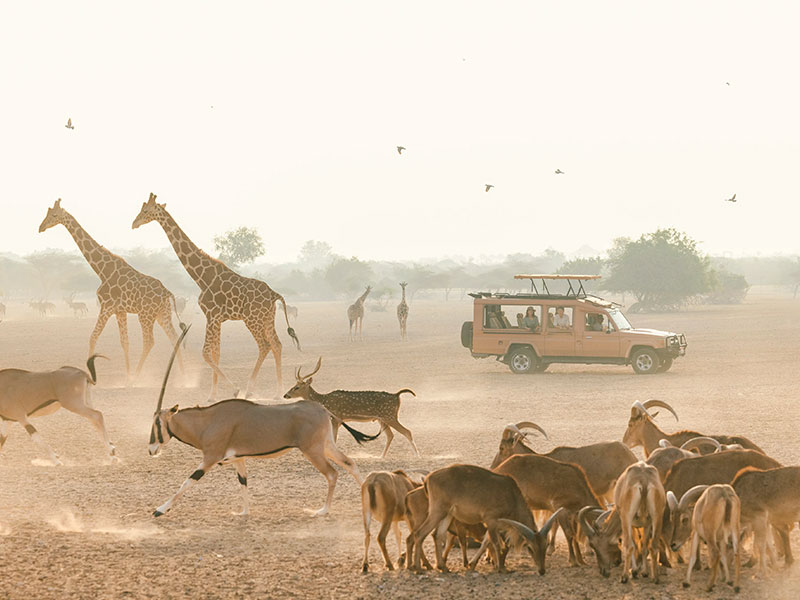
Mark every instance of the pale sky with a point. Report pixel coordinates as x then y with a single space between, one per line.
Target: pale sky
310 100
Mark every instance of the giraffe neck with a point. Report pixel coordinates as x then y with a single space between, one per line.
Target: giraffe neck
404 294
100 259
200 266
361 298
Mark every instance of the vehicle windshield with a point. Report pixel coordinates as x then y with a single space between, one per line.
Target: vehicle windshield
619 319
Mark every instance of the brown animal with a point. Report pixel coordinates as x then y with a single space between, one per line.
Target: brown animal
642 431
665 456
356 406
603 536
402 313
355 314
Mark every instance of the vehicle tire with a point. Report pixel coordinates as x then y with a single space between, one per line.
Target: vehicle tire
645 361
522 361
466 334
666 363
541 367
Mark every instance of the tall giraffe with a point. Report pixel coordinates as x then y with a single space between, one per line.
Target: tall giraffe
402 312
224 295
122 290
355 313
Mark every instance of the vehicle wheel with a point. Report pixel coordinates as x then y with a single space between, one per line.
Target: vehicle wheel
645 361
522 361
541 367
666 363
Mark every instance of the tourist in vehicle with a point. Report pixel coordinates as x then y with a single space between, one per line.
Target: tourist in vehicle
594 322
561 320
530 320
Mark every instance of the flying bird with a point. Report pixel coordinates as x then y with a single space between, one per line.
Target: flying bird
489 186
731 199
400 149
727 83
559 172
69 124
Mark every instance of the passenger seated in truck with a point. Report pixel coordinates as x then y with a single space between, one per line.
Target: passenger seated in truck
561 320
594 322
530 320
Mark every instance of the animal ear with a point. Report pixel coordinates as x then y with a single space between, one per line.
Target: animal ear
164 205
174 409
309 380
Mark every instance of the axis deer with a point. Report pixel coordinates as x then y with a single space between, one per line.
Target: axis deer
231 431
27 394
360 406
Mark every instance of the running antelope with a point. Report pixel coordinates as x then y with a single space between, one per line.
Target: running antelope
27 394
356 406
231 431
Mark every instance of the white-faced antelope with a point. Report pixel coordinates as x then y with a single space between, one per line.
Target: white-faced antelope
28 394
360 406
231 431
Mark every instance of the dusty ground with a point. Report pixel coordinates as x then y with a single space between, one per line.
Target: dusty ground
85 530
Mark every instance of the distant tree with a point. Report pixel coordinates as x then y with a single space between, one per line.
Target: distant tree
58 271
582 266
239 246
348 275
663 269
315 254
728 288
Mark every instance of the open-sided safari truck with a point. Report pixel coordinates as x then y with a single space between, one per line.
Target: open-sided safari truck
531 331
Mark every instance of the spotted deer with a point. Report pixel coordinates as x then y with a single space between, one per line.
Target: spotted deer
356 406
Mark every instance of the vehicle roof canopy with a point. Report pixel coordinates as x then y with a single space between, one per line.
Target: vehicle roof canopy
575 283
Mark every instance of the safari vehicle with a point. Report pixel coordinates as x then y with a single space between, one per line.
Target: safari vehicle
531 331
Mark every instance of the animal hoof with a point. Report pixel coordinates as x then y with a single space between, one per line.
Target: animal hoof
685 584
623 579
365 568
158 513
736 589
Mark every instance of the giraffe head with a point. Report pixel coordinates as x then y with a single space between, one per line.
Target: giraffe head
403 285
54 216
151 210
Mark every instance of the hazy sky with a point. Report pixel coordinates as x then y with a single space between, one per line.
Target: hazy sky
285 116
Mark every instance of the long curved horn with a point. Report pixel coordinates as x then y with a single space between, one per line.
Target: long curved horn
691 496
637 407
588 527
303 377
545 530
664 443
662 404
699 441
530 425
519 528
672 501
612 516
169 366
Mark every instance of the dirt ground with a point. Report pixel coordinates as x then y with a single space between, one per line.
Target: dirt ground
86 530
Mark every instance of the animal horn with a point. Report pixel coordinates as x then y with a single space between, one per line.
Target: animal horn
530 425
545 530
519 528
699 441
639 408
169 366
588 527
672 501
691 496
662 404
664 443
302 377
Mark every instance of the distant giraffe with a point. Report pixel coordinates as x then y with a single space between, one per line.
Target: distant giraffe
402 312
122 290
224 296
355 313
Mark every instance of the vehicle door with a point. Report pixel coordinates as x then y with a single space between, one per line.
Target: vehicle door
599 336
559 331
502 326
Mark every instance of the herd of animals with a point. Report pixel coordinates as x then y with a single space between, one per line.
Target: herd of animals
715 489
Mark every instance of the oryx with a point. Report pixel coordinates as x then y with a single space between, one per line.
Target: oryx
232 430
27 394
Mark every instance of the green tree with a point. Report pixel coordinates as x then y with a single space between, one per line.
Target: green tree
315 254
239 246
663 269
348 275
729 288
582 266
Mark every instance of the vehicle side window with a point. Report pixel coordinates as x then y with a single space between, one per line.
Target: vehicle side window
595 322
521 318
559 319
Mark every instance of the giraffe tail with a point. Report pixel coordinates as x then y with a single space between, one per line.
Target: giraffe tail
289 329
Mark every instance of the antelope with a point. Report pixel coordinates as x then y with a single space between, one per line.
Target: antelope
233 430
417 511
383 494
639 498
356 406
642 431
770 496
27 394
42 307
666 455
715 520
602 462
549 484
603 537
79 309
475 495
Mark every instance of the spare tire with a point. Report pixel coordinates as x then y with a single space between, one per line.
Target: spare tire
466 334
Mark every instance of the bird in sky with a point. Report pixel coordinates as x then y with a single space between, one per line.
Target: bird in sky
727 83
69 124
559 172
489 186
731 199
400 149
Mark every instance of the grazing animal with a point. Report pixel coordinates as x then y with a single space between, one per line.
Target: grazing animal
356 406
231 431
28 394
355 314
123 290
42 307
603 537
402 313
224 296
79 309
715 521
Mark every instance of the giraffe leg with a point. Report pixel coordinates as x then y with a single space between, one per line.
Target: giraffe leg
258 330
102 319
122 323
146 322
164 319
277 350
211 356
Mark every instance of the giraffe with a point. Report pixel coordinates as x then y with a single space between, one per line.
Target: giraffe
122 290
355 313
224 296
402 312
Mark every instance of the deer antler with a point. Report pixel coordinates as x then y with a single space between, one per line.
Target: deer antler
304 377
